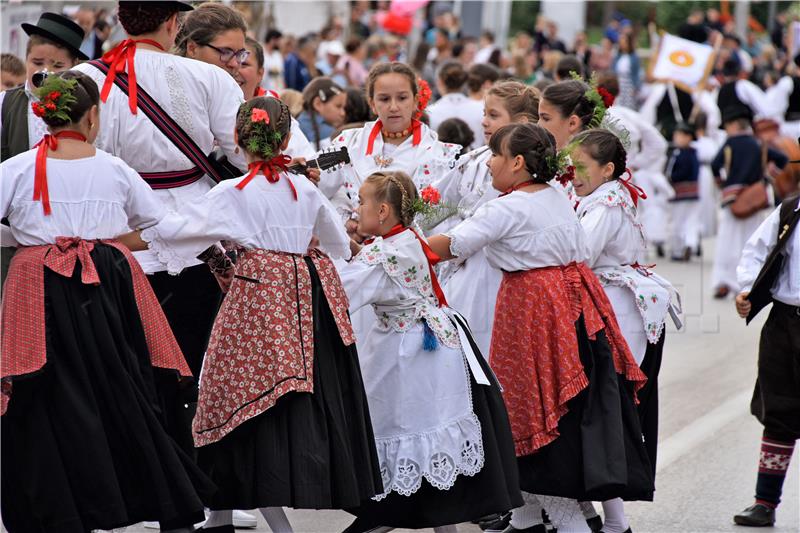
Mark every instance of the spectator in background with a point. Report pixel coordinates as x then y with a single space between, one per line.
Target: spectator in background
358 11
252 70
713 20
627 68
323 111
733 44
273 60
523 70
550 59
566 66
356 111
695 28
12 71
298 68
602 56
486 47
582 50
351 64
464 50
454 103
330 51
456 131
102 31
553 42
777 35
85 18
480 77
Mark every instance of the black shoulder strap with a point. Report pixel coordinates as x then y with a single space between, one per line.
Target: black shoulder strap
164 123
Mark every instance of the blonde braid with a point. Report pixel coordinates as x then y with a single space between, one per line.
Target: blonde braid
406 213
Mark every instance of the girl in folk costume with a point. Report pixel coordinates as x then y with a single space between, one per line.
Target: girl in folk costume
282 418
251 72
323 110
89 363
469 186
567 374
396 141
640 298
441 429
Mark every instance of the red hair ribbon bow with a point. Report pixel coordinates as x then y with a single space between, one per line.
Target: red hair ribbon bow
118 58
271 170
635 191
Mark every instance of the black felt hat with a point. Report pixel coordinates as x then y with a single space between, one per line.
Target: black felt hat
734 112
58 29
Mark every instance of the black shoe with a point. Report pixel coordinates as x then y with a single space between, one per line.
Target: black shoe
499 524
488 519
659 253
626 531
595 523
756 516
699 251
217 529
538 528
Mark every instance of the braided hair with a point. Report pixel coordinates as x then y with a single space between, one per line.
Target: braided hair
255 137
398 190
534 143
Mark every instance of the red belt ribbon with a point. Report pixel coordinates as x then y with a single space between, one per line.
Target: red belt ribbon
48 142
118 58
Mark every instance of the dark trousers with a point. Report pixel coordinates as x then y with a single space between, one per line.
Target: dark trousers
776 398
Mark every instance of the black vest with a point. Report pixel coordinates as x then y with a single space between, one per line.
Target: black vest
793 111
14 137
727 96
761 293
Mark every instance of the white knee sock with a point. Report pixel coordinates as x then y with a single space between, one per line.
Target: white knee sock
276 519
614 519
588 510
446 529
219 518
529 514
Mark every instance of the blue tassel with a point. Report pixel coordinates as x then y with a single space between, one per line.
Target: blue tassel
429 341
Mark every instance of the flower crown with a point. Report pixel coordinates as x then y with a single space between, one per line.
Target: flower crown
263 138
56 97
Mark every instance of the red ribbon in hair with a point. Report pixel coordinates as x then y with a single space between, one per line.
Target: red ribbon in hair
48 142
416 131
118 58
271 170
635 191
433 259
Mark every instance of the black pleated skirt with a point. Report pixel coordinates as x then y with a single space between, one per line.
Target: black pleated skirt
308 451
495 489
599 454
648 399
85 441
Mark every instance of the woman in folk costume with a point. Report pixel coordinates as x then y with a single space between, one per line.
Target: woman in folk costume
282 418
89 364
202 101
568 376
641 299
471 285
396 141
441 428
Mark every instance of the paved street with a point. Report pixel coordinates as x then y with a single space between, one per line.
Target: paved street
709 441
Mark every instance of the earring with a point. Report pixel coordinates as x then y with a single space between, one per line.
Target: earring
381 221
236 150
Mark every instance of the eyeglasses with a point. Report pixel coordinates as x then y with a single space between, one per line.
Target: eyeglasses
226 54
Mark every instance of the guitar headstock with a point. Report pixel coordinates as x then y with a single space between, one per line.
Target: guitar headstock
327 160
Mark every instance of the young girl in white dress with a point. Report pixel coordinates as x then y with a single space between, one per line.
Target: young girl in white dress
641 299
444 444
568 376
282 417
90 366
471 285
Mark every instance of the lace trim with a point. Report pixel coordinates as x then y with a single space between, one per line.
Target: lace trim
181 111
166 255
653 328
615 197
455 251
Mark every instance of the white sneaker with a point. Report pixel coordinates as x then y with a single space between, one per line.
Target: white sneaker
244 520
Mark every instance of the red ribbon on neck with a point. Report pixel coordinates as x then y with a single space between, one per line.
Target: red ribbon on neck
430 255
270 169
48 142
517 187
416 132
118 58
635 191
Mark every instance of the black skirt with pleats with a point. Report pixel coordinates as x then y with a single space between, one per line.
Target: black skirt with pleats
85 440
310 450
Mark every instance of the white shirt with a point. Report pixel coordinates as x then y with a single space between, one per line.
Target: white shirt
97 197
523 231
752 95
457 105
202 98
36 126
756 250
262 215
778 96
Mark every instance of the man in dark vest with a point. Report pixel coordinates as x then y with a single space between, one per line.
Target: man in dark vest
736 92
53 46
769 272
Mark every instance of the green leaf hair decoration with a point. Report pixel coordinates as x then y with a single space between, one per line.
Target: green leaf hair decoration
263 138
594 98
56 96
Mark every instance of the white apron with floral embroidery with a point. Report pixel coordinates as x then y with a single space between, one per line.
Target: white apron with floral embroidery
654 297
420 401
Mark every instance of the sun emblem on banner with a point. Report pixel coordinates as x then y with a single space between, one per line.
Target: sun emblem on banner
681 58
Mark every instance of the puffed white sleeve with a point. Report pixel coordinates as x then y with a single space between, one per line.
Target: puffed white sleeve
364 283
600 225
778 96
752 95
756 250
180 236
142 206
489 223
224 99
330 231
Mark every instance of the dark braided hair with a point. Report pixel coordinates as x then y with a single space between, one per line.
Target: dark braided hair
604 147
535 144
569 97
277 129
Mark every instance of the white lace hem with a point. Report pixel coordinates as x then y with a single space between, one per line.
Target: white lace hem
439 456
166 255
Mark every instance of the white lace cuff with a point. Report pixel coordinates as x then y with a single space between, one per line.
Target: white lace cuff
173 262
455 251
